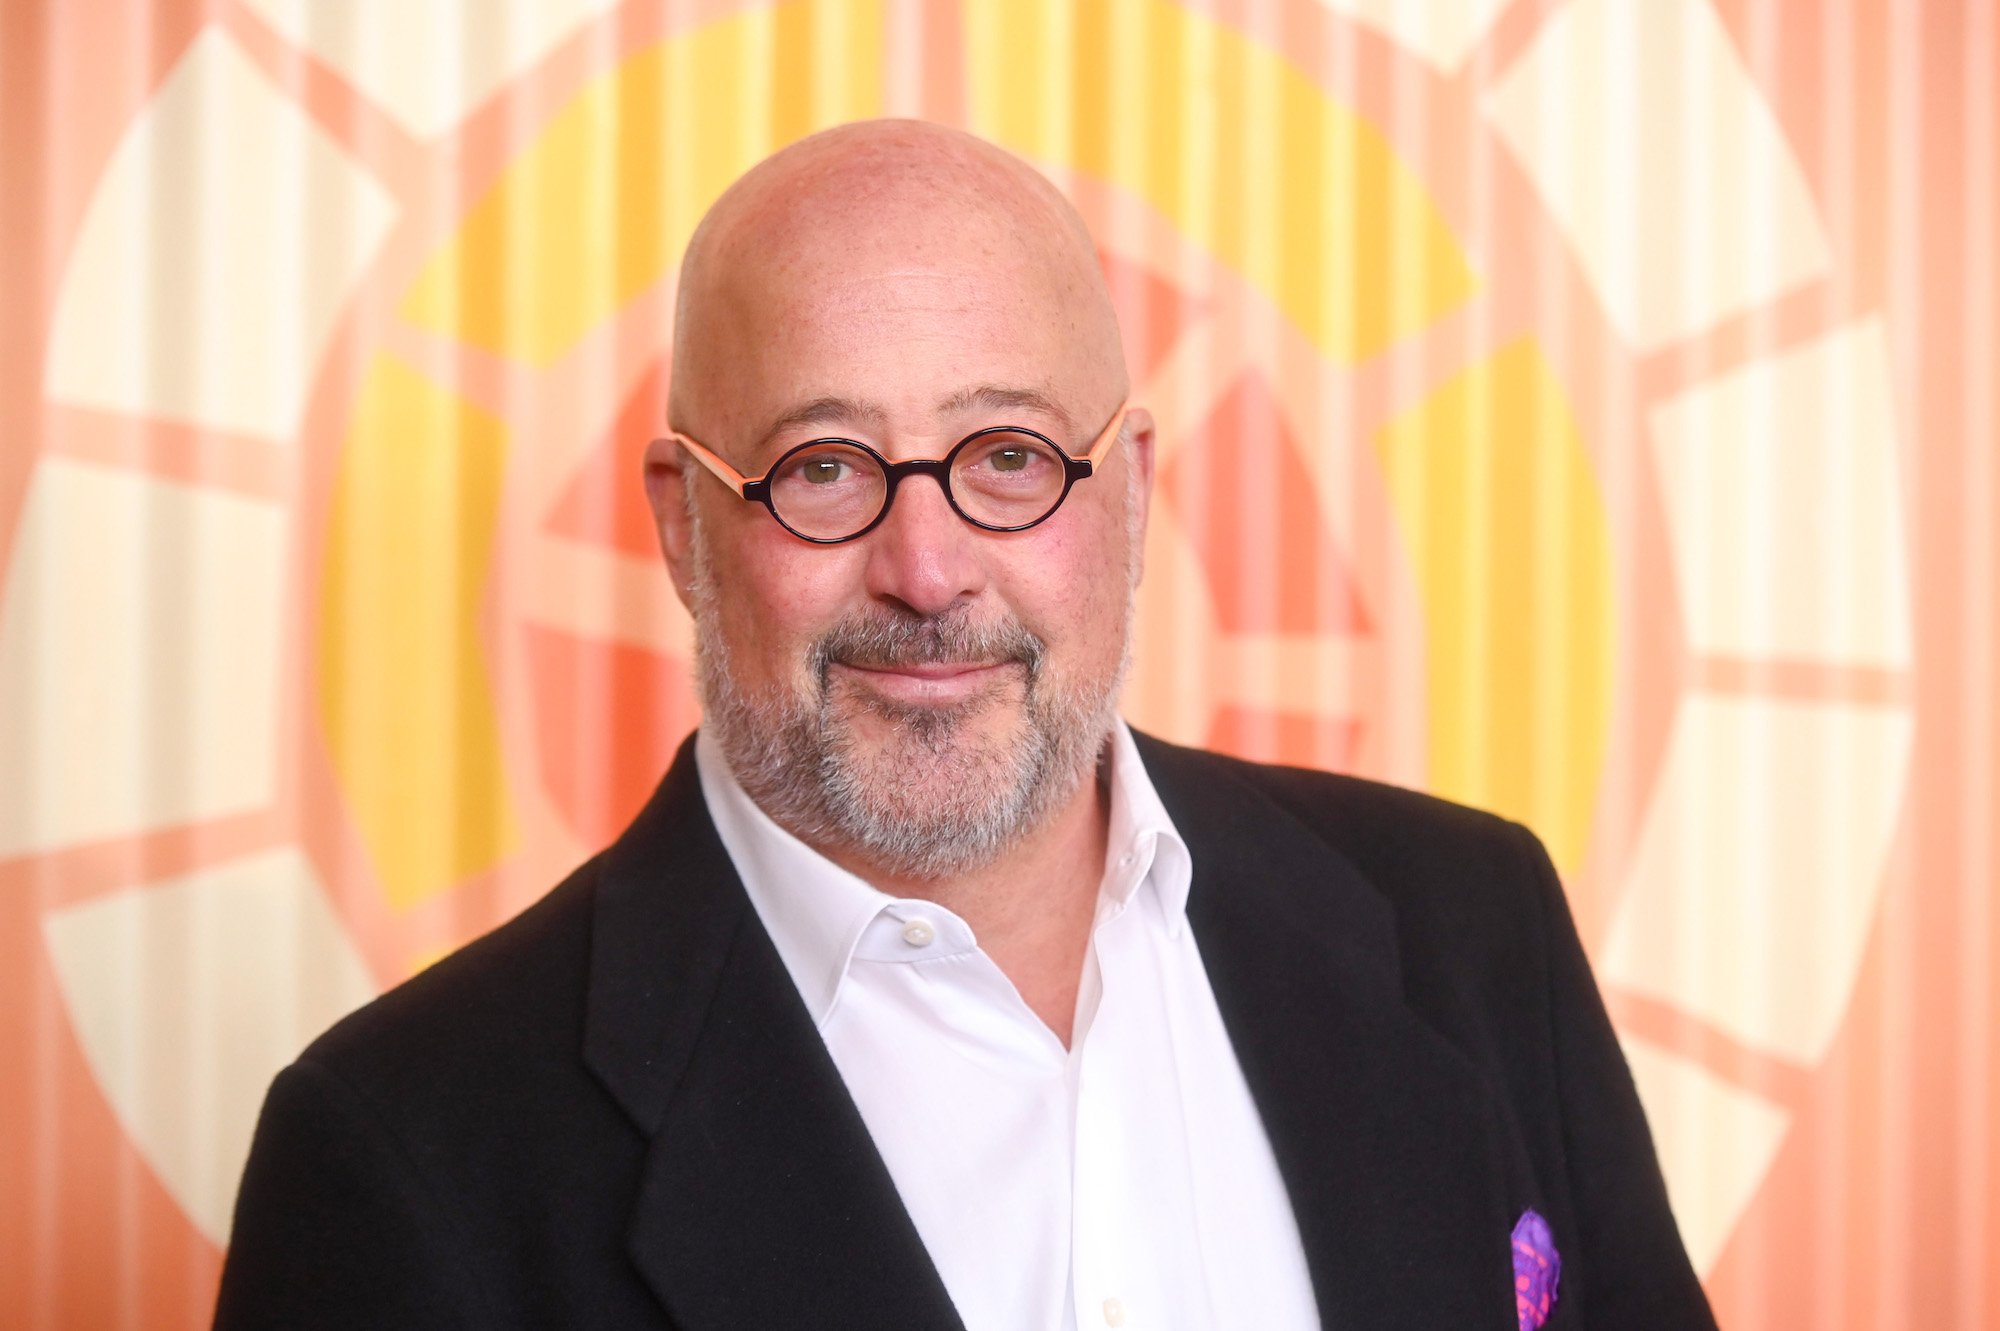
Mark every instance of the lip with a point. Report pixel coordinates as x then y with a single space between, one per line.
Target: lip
929 681
930 669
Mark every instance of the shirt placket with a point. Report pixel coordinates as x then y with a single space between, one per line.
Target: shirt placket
1102 1269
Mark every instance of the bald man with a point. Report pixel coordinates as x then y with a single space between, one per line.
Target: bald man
925 992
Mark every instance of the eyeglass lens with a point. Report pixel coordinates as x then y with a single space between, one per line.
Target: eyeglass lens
1000 479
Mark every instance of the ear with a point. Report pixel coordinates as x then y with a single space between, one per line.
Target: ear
666 491
1139 430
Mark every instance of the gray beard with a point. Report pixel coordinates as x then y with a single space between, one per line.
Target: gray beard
936 799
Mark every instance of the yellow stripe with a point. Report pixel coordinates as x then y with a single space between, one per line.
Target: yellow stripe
1244 154
600 206
404 695
1512 551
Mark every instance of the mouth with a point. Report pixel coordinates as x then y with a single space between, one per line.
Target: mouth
934 683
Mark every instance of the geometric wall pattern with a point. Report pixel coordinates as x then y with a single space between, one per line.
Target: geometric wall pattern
135 720
1720 220
244 252
1580 409
190 994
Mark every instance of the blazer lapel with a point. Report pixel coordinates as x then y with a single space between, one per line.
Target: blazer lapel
763 1200
1392 1147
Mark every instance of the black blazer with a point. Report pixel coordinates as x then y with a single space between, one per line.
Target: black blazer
614 1111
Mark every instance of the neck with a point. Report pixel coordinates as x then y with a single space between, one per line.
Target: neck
1032 907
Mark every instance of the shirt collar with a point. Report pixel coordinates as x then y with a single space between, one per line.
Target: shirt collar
817 912
1143 845
814 910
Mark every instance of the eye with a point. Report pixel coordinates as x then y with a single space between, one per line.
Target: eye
827 467
1009 457
823 470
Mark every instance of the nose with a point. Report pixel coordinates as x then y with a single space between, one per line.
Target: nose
924 555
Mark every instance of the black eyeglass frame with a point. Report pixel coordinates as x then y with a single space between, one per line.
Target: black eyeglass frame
758 489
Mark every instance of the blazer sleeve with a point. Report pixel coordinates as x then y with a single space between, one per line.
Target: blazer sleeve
1634 1271
333 1226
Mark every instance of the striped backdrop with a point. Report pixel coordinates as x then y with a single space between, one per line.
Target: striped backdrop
1581 408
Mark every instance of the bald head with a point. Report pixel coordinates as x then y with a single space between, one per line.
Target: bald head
840 235
930 691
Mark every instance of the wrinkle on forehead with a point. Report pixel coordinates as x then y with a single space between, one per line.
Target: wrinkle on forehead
885 204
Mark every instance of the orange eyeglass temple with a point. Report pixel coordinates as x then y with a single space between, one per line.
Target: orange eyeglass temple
736 480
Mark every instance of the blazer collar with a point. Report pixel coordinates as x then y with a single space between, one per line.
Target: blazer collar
763 1201
1392 1146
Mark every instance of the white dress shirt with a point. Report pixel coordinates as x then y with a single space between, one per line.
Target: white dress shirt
1123 1182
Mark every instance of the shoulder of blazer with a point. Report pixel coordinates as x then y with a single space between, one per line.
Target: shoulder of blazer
1323 799
1401 839
626 927
1465 889
514 994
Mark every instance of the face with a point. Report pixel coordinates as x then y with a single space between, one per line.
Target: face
926 694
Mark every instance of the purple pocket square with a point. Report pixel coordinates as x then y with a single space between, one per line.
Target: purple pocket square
1537 1267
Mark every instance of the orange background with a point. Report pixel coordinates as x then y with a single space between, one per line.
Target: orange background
1498 538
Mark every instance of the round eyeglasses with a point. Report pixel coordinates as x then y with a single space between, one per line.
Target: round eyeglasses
1001 478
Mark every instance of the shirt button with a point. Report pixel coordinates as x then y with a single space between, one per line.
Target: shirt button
919 933
1114 1313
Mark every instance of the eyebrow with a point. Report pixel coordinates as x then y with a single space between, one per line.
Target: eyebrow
1000 397
850 412
826 411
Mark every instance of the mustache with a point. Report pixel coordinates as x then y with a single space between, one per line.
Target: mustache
888 639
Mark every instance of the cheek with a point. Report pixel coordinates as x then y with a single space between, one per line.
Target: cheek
775 595
1071 587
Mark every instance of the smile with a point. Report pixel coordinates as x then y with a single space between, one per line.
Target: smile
928 682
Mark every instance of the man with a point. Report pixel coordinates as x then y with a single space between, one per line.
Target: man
924 993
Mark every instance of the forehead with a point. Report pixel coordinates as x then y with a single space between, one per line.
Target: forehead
898 288
913 334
